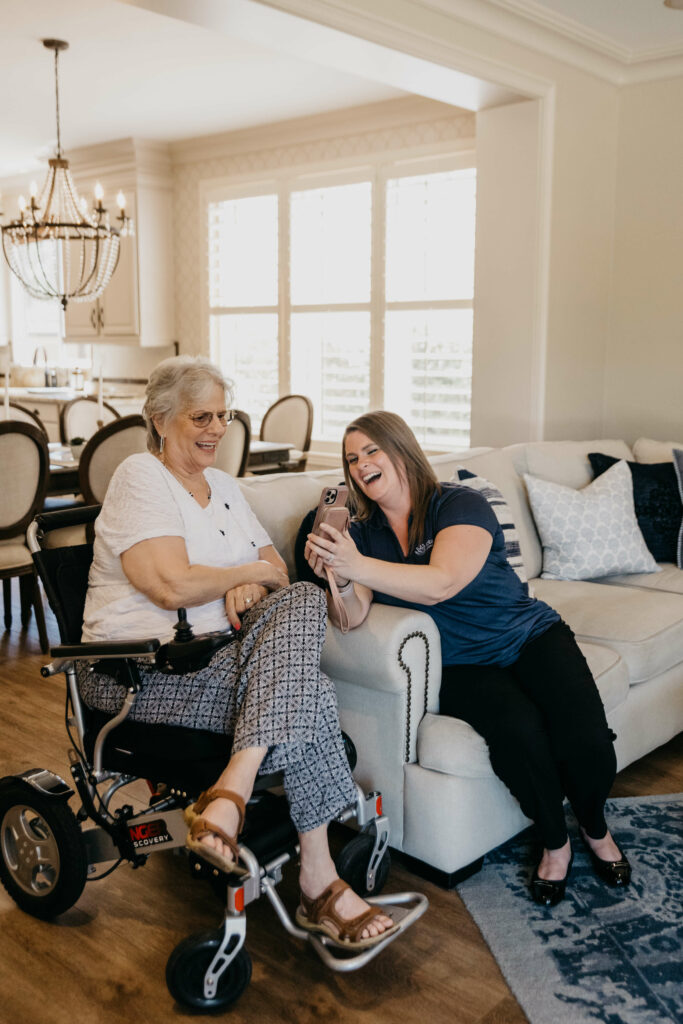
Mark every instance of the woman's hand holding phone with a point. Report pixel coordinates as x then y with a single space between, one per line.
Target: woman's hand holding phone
331 525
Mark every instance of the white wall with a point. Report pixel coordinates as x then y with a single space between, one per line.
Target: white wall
644 362
505 362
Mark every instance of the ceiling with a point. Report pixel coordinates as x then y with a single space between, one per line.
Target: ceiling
632 30
222 65
132 72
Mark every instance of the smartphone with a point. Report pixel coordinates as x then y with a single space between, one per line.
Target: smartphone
332 509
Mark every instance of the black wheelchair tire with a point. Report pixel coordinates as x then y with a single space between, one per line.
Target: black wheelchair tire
50 880
352 865
187 966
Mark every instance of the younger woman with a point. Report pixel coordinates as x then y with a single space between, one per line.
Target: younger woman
511 667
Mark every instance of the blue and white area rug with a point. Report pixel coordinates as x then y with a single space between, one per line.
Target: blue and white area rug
602 955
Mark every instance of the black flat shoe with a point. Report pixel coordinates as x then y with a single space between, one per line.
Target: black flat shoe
616 873
548 892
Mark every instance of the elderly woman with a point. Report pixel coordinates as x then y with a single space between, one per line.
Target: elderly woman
175 532
511 667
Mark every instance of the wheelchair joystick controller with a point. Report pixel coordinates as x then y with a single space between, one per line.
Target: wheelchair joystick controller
188 652
183 628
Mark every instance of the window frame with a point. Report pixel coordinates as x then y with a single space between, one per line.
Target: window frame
293 179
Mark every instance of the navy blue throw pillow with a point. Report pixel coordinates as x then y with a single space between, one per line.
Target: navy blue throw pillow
657 502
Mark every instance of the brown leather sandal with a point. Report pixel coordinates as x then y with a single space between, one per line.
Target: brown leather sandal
200 827
320 915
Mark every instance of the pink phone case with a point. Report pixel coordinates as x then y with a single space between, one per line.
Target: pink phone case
337 517
332 499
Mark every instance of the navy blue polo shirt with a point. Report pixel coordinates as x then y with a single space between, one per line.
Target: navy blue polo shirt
488 621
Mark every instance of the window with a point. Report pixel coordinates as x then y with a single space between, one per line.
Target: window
355 290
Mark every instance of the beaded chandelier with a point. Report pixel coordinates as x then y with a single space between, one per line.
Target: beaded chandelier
57 247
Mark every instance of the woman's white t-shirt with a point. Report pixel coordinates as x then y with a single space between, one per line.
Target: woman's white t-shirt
145 500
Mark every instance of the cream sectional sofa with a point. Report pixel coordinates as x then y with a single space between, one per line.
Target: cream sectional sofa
445 805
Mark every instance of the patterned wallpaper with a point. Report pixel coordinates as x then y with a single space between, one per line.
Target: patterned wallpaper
412 136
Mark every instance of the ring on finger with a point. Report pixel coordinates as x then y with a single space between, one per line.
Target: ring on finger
330 559
248 600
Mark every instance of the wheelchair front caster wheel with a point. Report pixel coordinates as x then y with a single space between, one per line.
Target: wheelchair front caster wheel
353 862
43 863
188 964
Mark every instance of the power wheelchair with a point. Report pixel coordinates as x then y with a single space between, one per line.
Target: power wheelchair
46 854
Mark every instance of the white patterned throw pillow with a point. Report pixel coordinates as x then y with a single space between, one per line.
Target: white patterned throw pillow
499 505
589 533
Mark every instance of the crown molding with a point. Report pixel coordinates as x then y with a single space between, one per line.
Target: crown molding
140 157
351 121
572 29
524 22
554 35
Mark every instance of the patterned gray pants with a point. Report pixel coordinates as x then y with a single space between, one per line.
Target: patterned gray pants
266 690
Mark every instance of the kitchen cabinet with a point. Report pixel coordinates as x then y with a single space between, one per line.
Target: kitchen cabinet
116 313
137 306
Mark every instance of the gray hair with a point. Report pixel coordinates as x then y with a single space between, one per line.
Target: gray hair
177 384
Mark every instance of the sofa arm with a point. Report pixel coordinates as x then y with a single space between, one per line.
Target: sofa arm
395 651
387 674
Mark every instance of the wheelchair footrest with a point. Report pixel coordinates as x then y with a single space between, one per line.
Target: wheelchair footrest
405 908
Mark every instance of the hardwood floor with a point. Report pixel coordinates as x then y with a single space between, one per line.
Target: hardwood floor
103 961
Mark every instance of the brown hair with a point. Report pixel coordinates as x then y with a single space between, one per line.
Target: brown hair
393 435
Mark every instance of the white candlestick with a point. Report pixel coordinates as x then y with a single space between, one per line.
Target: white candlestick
100 399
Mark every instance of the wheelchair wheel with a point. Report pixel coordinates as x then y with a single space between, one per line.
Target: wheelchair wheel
352 865
187 966
43 864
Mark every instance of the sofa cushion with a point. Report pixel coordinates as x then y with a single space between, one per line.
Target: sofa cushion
497 466
281 500
446 463
502 512
669 579
657 502
452 746
566 462
678 469
644 626
647 450
591 532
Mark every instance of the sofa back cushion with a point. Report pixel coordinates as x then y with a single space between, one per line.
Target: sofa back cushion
281 500
497 466
502 512
647 450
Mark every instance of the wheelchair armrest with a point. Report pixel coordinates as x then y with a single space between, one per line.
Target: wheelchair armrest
106 649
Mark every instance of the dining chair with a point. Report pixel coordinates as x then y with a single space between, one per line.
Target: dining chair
105 450
24 467
79 417
21 414
232 454
289 419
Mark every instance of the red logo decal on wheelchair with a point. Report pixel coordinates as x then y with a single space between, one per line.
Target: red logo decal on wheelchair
149 833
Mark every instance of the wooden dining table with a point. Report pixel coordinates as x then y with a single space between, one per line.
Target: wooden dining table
63 477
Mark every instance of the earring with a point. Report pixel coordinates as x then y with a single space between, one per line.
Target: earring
162 440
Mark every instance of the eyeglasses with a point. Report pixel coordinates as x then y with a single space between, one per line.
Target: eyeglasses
203 419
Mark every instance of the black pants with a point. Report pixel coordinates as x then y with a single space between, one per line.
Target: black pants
546 730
